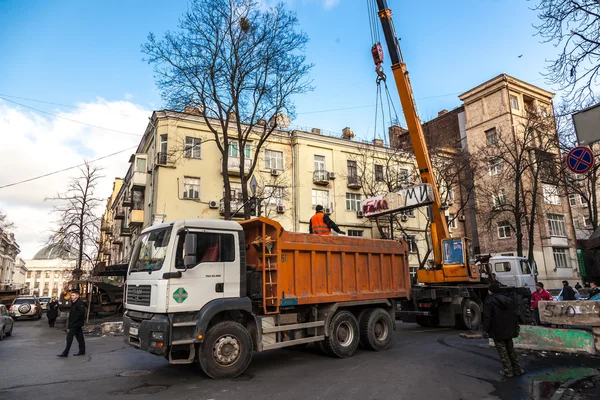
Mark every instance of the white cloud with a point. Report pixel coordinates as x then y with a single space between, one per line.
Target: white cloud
128 96
32 145
328 4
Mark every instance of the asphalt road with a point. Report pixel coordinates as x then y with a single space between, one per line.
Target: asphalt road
423 364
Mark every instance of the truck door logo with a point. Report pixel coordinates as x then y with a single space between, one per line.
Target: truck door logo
180 295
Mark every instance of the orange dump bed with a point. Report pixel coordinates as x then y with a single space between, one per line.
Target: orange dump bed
300 268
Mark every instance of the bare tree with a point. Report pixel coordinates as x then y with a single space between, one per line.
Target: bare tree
78 226
5 223
574 27
583 186
240 65
518 162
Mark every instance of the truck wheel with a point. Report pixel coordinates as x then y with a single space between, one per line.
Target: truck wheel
343 335
226 351
431 321
463 321
361 321
376 330
525 316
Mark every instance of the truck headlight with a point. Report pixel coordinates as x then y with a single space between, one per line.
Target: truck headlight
158 335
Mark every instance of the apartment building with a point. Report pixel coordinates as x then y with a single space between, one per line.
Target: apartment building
9 249
176 173
501 110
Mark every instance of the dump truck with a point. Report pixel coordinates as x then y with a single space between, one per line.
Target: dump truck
214 291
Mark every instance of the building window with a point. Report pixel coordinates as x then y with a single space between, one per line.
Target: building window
378 173
504 231
352 169
572 200
55 286
491 136
57 274
192 147
320 163
273 195
191 188
38 274
232 150
402 175
587 222
273 159
556 225
46 285
140 164
495 166
450 195
577 222
355 233
45 292
411 240
47 274
384 232
163 144
320 198
561 259
514 102
29 274
499 199
452 221
353 202
551 194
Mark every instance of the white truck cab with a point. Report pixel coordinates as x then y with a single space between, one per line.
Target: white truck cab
513 271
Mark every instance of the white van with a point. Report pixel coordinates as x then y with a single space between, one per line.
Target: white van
514 271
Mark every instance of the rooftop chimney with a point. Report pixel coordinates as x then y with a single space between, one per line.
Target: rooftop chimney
347 133
193 110
444 111
316 131
378 142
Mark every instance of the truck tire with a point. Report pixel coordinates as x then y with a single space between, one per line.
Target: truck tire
462 319
431 321
361 321
226 351
344 335
376 329
525 316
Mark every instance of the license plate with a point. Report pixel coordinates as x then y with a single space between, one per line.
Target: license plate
133 331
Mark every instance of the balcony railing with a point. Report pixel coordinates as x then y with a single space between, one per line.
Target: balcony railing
354 182
321 177
126 231
120 213
137 217
162 159
233 166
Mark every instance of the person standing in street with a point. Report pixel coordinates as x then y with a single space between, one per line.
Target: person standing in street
75 325
500 322
52 312
537 296
321 224
568 293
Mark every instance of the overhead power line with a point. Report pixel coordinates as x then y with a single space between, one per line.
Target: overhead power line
58 104
71 120
65 169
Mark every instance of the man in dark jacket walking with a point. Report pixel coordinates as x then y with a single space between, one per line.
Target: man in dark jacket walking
568 293
75 326
500 322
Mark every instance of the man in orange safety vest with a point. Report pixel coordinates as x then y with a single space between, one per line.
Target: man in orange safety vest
321 224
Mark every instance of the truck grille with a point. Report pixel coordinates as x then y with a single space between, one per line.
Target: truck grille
138 295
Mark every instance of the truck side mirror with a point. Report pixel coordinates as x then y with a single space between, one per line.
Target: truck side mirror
190 246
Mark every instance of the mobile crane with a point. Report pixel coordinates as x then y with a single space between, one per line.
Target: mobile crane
453 289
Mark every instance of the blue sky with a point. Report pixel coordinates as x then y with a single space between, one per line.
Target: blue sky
73 51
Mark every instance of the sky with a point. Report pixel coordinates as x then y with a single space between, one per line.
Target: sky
73 74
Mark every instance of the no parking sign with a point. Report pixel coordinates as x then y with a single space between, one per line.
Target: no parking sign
580 159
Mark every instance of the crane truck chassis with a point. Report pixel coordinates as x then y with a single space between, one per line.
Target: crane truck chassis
212 292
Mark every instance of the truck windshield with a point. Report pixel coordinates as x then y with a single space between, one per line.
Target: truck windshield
152 250
453 251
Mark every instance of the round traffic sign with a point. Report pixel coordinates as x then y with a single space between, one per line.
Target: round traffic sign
580 159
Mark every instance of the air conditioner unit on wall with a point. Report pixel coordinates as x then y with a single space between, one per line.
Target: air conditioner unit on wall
332 175
213 204
328 210
281 209
404 217
359 214
275 172
461 217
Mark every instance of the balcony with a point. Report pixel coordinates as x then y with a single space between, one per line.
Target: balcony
321 177
233 166
125 231
105 226
139 179
162 159
127 202
237 207
120 213
137 217
354 182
